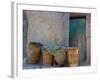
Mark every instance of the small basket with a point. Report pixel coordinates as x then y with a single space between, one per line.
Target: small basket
73 57
34 52
60 56
47 58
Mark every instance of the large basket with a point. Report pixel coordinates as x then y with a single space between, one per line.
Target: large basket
34 53
73 57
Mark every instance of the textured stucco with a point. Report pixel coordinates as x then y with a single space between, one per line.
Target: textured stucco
49 28
88 37
25 30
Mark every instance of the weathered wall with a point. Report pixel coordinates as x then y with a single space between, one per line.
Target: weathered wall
25 30
48 28
88 37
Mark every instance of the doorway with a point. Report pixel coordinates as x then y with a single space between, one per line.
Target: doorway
77 36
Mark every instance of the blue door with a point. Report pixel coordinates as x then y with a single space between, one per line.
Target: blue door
77 36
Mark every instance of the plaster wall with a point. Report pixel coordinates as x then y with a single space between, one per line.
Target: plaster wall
49 28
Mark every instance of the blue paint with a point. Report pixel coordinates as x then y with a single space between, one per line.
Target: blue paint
77 36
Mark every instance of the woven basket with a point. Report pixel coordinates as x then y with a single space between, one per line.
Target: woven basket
34 53
47 58
73 57
60 56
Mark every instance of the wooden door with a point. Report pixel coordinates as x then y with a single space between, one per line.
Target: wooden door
77 36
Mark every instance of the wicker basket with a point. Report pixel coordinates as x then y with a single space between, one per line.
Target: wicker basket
34 52
73 57
47 58
60 56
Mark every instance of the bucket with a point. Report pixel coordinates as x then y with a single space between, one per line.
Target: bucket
73 57
34 53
